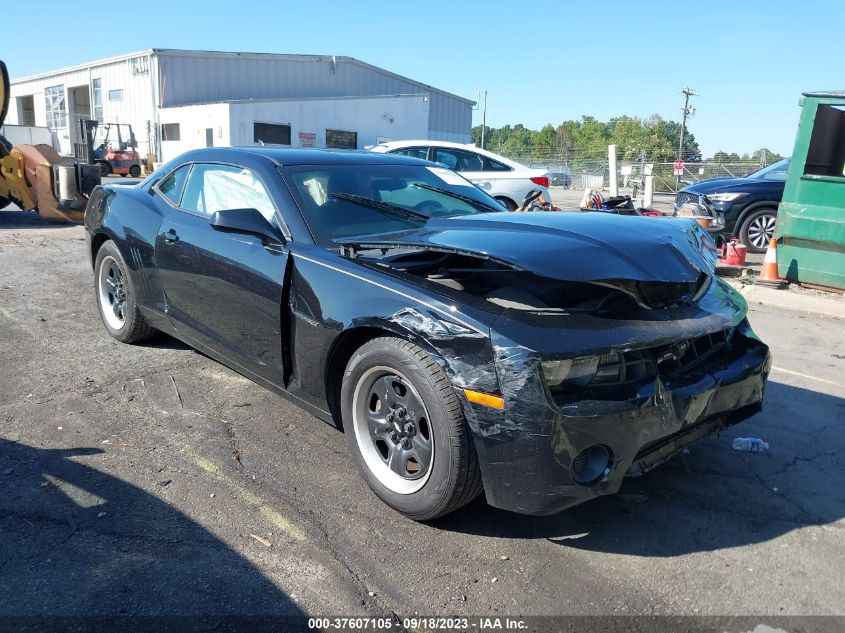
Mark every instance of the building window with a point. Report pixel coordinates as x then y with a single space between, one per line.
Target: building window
26 110
341 139
56 106
97 92
116 95
169 131
271 133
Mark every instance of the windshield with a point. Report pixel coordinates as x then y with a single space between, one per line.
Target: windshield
340 201
775 171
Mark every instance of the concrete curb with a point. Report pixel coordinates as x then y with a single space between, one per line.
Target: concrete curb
791 299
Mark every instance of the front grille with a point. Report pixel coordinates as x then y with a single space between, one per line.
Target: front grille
685 196
636 366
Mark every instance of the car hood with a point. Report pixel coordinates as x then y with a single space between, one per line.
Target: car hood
744 185
588 247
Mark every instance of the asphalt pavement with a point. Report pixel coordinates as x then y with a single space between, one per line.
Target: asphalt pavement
151 480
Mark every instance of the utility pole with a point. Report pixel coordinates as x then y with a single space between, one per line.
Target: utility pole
484 120
687 111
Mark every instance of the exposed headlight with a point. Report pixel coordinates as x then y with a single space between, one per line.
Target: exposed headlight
725 197
571 372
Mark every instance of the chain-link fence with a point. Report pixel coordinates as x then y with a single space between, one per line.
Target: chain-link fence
580 173
665 179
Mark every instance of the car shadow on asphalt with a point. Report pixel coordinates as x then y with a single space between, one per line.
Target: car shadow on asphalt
711 499
15 220
87 546
160 340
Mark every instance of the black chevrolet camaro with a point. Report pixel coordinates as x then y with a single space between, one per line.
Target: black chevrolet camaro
538 357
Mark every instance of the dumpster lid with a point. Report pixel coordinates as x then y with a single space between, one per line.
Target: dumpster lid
825 93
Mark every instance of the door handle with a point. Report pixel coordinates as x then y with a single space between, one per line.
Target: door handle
170 236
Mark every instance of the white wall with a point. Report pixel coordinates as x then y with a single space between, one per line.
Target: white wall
136 107
394 118
391 117
193 122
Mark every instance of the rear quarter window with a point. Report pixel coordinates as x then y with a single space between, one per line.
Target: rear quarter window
494 165
171 187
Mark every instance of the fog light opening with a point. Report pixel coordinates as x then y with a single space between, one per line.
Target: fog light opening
591 465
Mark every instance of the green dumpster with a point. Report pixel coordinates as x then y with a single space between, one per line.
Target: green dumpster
811 216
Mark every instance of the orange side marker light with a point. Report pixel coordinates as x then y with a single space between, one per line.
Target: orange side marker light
494 402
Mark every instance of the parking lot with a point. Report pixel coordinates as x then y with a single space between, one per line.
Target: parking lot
152 480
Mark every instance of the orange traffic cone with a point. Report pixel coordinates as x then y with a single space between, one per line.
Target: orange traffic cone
769 273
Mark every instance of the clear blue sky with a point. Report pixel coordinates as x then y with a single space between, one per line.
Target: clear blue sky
540 61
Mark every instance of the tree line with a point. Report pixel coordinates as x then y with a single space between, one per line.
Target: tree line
653 138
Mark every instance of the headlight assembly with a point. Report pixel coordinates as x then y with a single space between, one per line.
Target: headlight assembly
725 197
570 373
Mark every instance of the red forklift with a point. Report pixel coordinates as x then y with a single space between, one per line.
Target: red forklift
112 146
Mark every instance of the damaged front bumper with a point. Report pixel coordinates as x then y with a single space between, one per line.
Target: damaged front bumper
532 454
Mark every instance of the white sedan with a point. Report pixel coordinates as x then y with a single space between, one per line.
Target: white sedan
506 181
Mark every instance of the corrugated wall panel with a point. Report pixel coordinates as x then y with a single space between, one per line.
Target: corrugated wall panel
198 78
449 119
135 107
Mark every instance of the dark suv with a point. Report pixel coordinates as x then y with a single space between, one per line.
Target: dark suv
749 204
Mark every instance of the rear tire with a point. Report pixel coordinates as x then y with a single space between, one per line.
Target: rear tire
134 171
116 297
757 229
509 204
406 430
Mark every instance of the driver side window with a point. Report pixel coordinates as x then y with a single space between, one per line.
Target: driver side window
212 188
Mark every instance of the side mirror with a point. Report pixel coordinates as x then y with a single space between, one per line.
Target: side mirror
247 222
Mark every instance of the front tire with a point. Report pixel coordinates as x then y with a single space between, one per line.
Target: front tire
757 230
116 297
406 430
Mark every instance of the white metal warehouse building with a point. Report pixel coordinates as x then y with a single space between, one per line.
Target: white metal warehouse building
177 100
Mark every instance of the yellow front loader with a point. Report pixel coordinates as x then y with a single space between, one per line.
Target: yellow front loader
37 178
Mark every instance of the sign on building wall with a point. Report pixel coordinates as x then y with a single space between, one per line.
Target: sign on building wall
307 139
342 139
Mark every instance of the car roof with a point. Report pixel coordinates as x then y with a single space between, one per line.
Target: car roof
409 143
472 147
289 156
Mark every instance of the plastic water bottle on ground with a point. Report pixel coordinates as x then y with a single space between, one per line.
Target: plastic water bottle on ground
750 444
